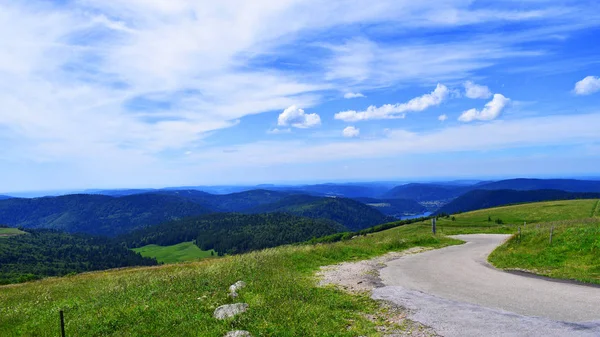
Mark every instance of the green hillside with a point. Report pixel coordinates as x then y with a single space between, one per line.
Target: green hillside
182 252
179 299
8 232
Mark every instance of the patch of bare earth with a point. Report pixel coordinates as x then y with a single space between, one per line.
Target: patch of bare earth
362 277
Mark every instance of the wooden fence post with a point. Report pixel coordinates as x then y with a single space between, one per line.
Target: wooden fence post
551 232
433 223
62 324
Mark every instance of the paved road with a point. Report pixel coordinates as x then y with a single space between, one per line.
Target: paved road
458 293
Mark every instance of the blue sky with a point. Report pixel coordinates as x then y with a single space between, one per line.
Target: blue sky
150 93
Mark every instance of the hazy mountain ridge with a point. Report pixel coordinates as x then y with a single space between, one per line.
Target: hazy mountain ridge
480 199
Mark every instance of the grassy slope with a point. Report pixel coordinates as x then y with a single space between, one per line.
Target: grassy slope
179 299
185 251
517 215
573 254
6 232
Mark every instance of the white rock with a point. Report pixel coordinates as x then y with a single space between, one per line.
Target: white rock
237 286
230 310
238 333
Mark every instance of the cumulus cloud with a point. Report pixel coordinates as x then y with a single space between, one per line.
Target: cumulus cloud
296 117
491 111
350 95
350 132
442 118
475 91
587 86
391 111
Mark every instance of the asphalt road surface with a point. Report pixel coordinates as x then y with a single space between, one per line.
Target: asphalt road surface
455 291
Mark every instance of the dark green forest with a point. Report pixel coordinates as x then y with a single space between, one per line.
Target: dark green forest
96 214
352 214
44 252
234 233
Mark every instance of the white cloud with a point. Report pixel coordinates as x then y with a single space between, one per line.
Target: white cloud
496 135
350 95
294 116
475 91
350 132
442 118
277 131
587 86
491 111
391 111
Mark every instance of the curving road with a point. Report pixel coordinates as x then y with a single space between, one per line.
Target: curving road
455 291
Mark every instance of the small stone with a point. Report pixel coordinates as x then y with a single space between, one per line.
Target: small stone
230 310
237 286
238 333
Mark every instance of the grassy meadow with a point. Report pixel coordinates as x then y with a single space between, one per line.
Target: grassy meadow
6 232
179 299
182 252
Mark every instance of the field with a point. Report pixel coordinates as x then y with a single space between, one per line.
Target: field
6 232
516 216
179 299
182 252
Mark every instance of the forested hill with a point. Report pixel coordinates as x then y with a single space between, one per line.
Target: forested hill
426 192
43 252
352 214
522 184
4 197
480 199
234 202
96 214
233 232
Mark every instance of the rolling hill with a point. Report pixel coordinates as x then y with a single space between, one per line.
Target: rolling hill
480 199
352 214
522 184
426 192
96 214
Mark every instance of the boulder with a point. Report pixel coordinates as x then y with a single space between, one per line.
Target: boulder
230 310
237 286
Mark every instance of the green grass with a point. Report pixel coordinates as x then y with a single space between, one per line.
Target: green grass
515 216
7 232
573 254
179 299
182 252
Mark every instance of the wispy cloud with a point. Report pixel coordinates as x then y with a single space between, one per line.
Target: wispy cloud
442 118
350 95
476 91
390 111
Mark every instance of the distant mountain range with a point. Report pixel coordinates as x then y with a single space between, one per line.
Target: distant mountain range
480 199
4 197
443 192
